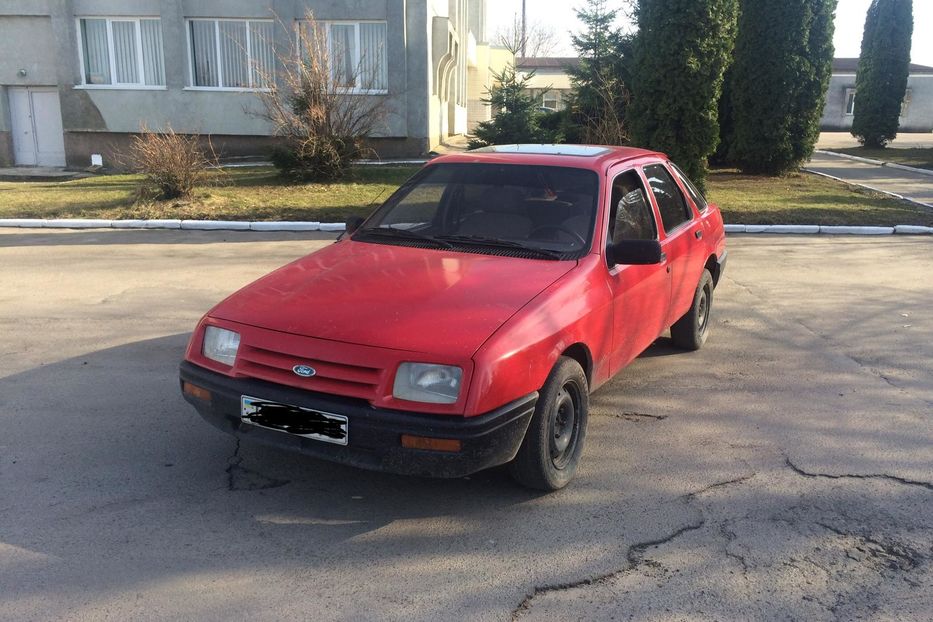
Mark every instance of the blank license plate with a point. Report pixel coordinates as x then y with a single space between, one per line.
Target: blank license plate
294 420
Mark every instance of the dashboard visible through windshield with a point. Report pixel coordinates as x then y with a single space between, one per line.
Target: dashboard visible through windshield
543 212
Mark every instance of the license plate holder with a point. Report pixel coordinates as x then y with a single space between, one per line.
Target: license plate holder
294 420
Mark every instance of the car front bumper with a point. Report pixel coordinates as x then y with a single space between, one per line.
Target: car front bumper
375 434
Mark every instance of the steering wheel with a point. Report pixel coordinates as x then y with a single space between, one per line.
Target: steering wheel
570 232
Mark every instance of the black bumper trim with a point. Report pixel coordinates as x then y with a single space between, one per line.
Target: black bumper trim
720 267
487 440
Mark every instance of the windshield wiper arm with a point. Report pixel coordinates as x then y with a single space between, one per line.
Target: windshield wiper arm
392 232
480 240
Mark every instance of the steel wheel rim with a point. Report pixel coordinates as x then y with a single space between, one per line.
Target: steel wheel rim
703 311
564 425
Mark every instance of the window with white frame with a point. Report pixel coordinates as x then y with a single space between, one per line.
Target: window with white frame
905 104
850 102
121 51
357 55
230 53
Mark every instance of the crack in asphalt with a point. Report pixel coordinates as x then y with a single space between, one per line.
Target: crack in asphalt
235 461
633 556
899 557
893 478
728 482
730 537
637 417
251 480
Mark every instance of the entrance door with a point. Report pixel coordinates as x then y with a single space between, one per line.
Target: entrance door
38 139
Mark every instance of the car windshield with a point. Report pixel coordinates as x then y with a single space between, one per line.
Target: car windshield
537 211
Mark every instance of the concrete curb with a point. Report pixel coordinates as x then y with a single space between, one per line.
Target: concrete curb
202 225
900 197
242 225
830 230
900 167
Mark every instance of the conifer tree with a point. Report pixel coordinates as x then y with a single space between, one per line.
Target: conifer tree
884 63
680 53
783 63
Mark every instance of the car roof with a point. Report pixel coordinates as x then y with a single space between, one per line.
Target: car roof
577 156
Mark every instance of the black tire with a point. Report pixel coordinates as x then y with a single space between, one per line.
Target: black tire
690 331
550 451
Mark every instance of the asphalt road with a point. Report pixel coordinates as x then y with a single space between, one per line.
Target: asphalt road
783 472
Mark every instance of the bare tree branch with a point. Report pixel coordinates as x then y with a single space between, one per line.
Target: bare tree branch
540 39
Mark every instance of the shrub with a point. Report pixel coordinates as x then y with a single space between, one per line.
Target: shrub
171 164
883 67
682 49
783 63
517 117
323 124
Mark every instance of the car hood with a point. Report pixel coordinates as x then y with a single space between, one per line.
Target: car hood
420 300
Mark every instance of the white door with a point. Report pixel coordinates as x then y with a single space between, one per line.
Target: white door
38 139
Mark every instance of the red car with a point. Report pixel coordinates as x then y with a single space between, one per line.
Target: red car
464 324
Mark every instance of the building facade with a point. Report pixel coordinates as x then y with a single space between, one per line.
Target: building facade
80 77
549 84
916 110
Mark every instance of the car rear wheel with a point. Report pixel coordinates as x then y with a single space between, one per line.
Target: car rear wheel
550 451
690 331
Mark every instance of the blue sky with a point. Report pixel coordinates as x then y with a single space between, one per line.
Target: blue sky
850 19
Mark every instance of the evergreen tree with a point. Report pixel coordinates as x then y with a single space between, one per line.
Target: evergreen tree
516 117
681 51
778 82
881 81
599 82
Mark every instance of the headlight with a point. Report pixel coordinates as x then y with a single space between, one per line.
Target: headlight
423 382
220 345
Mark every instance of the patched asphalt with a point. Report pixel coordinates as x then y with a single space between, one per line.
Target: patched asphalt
784 471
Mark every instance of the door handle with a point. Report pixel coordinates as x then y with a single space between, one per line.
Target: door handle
698 233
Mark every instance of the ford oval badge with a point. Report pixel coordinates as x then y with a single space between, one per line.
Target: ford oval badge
305 371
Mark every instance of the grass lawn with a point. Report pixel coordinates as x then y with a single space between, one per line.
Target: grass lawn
806 199
258 194
920 158
255 193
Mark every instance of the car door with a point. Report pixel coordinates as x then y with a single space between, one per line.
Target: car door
681 238
641 294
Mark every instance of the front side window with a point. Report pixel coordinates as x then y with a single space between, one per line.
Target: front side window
630 214
231 53
121 52
499 209
671 204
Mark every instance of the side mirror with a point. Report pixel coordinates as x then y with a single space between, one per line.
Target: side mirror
635 253
353 223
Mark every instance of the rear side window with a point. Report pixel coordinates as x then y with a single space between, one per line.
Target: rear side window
698 199
674 209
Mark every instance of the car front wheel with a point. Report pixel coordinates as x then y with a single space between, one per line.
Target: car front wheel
690 331
550 451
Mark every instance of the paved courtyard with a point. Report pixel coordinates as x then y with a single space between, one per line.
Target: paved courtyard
784 471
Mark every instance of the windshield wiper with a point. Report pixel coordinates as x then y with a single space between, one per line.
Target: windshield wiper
479 240
392 232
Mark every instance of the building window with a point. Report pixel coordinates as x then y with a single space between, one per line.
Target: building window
357 51
551 100
850 102
231 53
121 52
905 105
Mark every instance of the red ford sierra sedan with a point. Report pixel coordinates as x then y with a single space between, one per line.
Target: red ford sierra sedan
465 322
